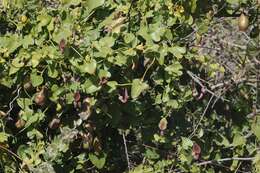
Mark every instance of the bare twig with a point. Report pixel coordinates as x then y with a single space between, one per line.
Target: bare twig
201 117
126 152
198 81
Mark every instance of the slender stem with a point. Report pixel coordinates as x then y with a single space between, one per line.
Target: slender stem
124 84
77 52
226 159
9 151
201 118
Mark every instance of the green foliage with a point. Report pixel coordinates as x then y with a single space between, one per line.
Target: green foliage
110 86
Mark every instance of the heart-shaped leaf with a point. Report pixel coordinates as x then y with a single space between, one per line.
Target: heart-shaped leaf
137 88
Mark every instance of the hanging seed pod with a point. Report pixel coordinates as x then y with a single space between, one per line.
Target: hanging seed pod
163 124
40 97
243 22
196 150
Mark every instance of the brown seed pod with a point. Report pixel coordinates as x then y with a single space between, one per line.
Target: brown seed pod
55 123
40 97
163 124
20 123
196 150
243 22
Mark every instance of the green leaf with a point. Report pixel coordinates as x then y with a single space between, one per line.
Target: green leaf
174 69
36 57
104 73
186 143
34 119
89 87
112 85
177 51
70 2
24 102
173 104
151 154
233 1
27 41
98 161
238 140
92 4
63 33
89 67
36 79
137 88
52 71
3 137
129 37
256 129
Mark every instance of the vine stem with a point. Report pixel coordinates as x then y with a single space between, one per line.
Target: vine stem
150 65
225 159
124 84
9 151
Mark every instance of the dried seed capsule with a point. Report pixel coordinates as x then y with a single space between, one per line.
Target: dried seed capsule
243 22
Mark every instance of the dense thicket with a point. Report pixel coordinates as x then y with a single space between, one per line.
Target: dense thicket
129 86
